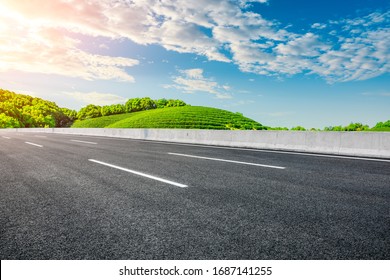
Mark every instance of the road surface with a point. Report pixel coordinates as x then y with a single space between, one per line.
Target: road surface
82 197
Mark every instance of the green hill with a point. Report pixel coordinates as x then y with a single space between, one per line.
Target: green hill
187 117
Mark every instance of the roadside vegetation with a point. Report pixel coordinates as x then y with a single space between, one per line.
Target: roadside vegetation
185 117
19 110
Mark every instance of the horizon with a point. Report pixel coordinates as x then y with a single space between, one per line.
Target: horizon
279 63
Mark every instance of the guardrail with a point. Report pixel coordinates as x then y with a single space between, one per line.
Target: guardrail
366 144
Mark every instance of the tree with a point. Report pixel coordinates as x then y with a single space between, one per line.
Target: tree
175 103
65 117
8 122
106 110
113 109
118 109
89 111
161 103
382 124
136 105
298 128
356 127
129 105
147 103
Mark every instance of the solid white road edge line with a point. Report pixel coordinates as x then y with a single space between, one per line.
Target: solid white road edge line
5 137
140 173
34 144
86 142
226 160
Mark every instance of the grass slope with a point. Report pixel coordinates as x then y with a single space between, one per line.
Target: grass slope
187 117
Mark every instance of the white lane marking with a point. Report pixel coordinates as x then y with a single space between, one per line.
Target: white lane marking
86 142
34 144
5 137
42 136
231 161
140 173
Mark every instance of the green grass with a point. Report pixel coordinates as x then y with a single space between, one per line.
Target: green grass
187 117
380 129
100 122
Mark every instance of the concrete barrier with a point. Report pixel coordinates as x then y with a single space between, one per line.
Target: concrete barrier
366 144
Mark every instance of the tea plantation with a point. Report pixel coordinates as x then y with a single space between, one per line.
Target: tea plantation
187 117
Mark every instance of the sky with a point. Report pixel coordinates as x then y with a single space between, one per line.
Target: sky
280 62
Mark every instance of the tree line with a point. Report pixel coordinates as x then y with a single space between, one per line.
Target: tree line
132 105
380 126
19 110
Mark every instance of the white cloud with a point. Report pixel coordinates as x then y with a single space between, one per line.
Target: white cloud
192 80
220 30
96 98
306 45
362 56
318 25
246 3
195 73
38 49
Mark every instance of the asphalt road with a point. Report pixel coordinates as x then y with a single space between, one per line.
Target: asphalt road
79 197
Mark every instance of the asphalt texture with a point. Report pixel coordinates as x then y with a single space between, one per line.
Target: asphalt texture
55 203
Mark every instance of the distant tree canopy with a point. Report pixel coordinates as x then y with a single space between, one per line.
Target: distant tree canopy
382 125
90 111
146 103
299 128
132 105
350 127
18 110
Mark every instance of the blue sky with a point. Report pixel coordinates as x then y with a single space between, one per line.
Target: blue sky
279 62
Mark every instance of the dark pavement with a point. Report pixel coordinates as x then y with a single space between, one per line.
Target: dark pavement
57 204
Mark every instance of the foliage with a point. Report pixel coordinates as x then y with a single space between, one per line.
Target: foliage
299 128
382 126
186 117
277 128
146 103
89 111
350 127
161 103
140 104
8 122
175 103
65 117
113 109
18 110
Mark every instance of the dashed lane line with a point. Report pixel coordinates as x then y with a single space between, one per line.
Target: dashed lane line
230 161
33 144
139 173
85 142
